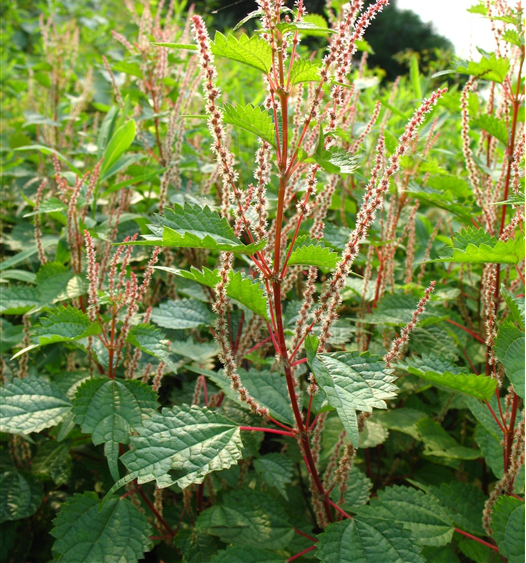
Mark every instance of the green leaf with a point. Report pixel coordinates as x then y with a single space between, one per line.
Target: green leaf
492 125
64 324
110 410
248 293
491 68
304 70
53 461
334 160
503 511
206 277
481 412
248 518
476 246
193 226
245 554
366 540
358 490
491 450
442 372
30 405
396 309
253 119
464 502
86 533
182 446
513 37
514 535
419 513
439 443
120 142
151 340
515 305
241 288
182 314
269 389
276 470
309 252
352 382
20 495
252 51
19 299
509 348
306 27
402 420
184 46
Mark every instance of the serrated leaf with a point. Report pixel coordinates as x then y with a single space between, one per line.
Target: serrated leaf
30 405
109 410
55 283
439 443
193 226
242 289
20 495
358 490
182 446
476 246
510 350
515 305
351 382
513 37
248 293
245 554
481 412
305 26
514 535
199 352
492 68
464 502
252 51
492 125
19 299
419 513
311 253
64 324
491 450
253 119
396 309
182 314
503 510
87 533
53 461
276 470
304 70
248 518
442 372
268 389
366 540
151 340
402 420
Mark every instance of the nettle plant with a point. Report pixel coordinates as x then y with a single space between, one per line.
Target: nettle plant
304 426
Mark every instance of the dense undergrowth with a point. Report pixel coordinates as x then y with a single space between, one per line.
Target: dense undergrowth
268 312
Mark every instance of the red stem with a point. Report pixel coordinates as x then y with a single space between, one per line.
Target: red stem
270 430
337 508
465 329
305 535
155 512
298 555
496 418
262 343
494 547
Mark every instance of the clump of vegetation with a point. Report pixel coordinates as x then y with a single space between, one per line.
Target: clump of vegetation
255 306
